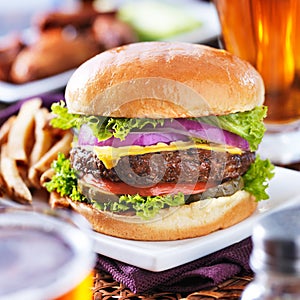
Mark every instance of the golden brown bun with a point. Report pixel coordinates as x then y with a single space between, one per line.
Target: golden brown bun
188 221
164 80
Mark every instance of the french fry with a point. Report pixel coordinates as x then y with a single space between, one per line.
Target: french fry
5 128
2 186
28 147
44 163
20 135
16 187
56 201
43 136
46 176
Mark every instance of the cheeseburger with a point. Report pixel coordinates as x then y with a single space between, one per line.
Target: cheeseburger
165 140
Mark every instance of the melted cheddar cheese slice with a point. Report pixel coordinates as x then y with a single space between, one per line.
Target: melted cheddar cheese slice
111 155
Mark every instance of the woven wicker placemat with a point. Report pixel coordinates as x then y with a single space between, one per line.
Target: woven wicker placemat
105 287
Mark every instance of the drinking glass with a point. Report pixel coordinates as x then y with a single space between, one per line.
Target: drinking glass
44 256
266 34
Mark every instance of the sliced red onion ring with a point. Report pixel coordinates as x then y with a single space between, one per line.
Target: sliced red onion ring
207 132
86 137
172 130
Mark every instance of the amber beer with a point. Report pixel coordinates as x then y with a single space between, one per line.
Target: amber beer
266 33
82 291
43 257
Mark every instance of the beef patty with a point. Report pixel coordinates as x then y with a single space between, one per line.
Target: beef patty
186 166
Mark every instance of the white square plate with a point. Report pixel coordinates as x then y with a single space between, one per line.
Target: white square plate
159 256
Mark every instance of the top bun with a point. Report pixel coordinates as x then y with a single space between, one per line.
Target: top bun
164 80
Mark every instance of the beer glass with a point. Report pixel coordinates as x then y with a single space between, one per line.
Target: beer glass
44 256
266 34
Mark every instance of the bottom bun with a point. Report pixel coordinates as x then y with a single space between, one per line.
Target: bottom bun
187 221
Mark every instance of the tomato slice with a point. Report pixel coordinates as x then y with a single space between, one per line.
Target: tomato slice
163 188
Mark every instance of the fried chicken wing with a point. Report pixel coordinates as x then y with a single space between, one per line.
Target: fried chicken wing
10 46
111 32
55 51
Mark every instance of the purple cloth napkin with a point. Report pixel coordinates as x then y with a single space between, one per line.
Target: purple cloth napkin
47 99
199 274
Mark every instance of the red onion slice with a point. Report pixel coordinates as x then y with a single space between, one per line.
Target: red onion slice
207 132
86 137
172 130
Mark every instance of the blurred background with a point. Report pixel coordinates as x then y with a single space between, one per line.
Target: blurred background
162 15
17 15
43 42
40 39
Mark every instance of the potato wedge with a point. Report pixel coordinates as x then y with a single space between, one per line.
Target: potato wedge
43 136
16 187
20 137
46 176
63 146
5 128
56 201
2 186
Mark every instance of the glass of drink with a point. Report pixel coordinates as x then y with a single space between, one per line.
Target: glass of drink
44 256
265 33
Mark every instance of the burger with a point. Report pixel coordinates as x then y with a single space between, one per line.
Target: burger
165 140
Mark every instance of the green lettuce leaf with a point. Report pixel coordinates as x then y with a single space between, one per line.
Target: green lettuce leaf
144 207
248 124
63 119
148 207
64 182
122 126
257 177
103 128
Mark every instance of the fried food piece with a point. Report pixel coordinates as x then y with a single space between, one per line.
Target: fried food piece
46 176
2 186
54 52
81 18
56 201
62 146
28 146
5 128
110 32
10 46
20 141
16 187
43 136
